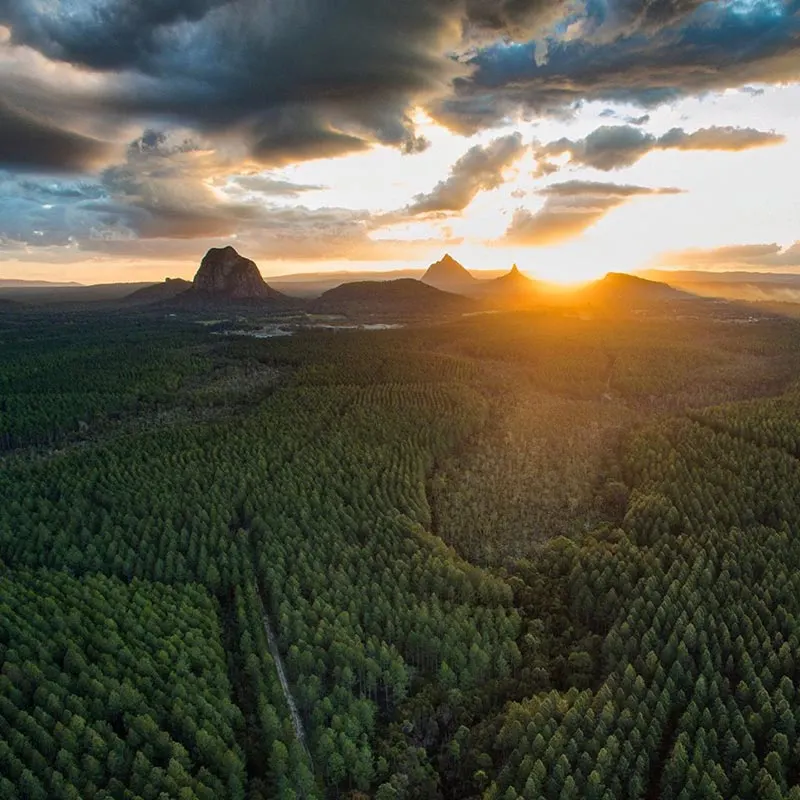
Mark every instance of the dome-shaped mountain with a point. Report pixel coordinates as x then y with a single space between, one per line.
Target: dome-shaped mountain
619 287
227 278
224 273
405 297
449 276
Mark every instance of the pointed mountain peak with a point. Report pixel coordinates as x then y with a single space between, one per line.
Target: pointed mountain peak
447 274
514 270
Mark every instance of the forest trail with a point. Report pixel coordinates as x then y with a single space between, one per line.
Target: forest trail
299 732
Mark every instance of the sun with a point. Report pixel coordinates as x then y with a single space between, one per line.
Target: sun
569 275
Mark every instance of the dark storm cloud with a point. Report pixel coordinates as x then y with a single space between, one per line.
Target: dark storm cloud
295 79
285 137
570 208
662 53
479 169
31 143
121 34
616 146
299 80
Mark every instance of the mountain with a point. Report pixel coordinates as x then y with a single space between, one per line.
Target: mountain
753 287
450 276
313 284
72 295
510 290
158 292
619 287
405 297
225 274
19 283
227 278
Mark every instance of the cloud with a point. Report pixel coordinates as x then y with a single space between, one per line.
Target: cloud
734 257
479 169
616 146
31 143
292 80
234 86
719 138
261 183
643 119
569 209
173 197
641 53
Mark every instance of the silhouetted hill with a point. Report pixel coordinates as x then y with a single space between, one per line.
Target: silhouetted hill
226 278
511 290
158 292
751 286
21 283
313 284
402 298
51 294
618 287
450 276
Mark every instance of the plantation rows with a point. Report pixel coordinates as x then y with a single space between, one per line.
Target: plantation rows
531 475
108 686
699 604
317 496
655 657
69 375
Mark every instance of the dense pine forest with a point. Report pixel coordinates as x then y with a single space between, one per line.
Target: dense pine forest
539 554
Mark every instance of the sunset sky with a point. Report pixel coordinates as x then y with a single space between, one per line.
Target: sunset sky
569 137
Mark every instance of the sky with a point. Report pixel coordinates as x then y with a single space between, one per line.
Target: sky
571 137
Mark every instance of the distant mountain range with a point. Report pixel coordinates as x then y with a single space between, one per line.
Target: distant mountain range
756 287
18 283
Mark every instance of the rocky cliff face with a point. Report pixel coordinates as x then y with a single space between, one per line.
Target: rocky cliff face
226 275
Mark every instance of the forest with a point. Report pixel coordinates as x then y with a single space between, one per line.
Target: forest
531 554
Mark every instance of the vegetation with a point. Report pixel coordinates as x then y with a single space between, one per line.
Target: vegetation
520 555
108 686
59 379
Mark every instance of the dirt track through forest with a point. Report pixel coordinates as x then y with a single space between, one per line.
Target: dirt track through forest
272 641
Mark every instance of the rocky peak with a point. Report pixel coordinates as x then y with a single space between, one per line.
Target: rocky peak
447 274
225 273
